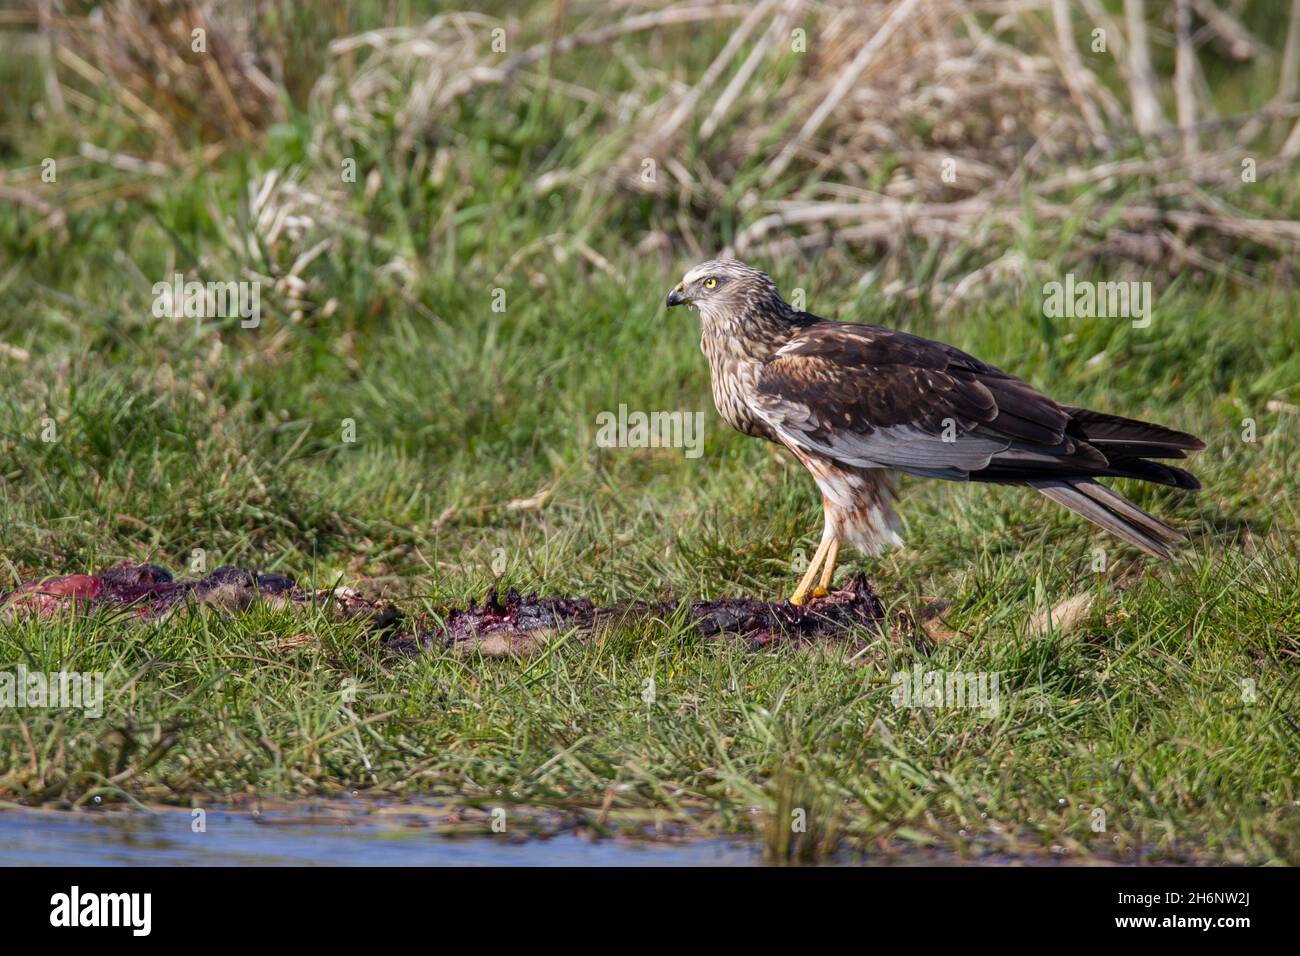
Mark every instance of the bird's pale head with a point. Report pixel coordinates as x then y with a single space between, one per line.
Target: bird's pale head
722 288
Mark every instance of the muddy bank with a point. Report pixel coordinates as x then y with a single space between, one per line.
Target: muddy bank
513 624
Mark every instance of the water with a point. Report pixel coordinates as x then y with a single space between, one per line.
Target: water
165 838
357 833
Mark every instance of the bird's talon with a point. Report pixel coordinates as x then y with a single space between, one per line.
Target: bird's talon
819 592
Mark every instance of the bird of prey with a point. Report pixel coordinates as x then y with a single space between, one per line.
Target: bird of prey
859 404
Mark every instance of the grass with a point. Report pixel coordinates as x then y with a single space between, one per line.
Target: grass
175 437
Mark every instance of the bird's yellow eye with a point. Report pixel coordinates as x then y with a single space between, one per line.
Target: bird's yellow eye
710 283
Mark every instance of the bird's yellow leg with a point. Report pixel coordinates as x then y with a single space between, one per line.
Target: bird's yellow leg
828 569
805 583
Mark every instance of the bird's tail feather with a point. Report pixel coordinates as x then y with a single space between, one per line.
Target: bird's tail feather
1120 437
1114 512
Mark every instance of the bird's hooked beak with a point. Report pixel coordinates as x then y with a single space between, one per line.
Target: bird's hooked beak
675 297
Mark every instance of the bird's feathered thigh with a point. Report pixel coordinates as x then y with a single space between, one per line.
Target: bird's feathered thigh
858 502
856 403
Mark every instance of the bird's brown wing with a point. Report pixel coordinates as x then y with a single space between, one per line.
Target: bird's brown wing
869 397
879 398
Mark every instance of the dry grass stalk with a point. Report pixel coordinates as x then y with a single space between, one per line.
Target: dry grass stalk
177 74
1062 618
1184 77
1238 42
944 121
1289 86
1148 117
840 88
1076 75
